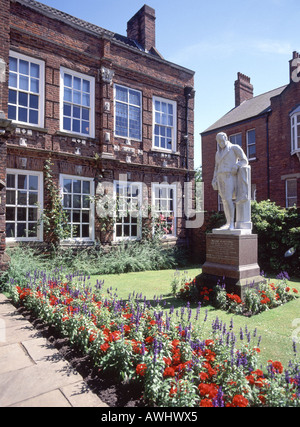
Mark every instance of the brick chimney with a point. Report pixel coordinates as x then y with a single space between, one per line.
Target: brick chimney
295 68
243 89
141 27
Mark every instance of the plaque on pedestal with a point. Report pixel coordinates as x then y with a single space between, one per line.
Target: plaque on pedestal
231 259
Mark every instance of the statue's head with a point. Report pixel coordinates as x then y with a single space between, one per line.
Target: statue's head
222 139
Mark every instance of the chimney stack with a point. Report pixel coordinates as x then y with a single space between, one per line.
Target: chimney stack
141 27
243 89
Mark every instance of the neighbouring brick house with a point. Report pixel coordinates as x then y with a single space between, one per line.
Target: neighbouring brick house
267 127
105 107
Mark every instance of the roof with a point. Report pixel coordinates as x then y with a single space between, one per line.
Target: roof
253 107
81 24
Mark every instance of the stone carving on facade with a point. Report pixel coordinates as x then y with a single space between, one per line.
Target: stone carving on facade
107 75
232 179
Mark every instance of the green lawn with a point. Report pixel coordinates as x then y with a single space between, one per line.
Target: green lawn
276 327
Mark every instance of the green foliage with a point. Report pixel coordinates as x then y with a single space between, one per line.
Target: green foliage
131 256
54 217
23 259
278 230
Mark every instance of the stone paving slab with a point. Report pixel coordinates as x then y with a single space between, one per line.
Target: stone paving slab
32 371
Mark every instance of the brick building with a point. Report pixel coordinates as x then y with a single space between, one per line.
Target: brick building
106 108
267 127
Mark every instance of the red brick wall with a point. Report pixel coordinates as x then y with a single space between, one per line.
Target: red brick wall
60 44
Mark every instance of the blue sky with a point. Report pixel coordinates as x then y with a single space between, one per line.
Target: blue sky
217 39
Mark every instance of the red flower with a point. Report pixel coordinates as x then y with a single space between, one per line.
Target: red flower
239 401
276 367
104 347
203 376
208 390
141 369
169 372
173 391
168 361
206 403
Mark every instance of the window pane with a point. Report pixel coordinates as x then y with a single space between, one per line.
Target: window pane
76 186
33 117
34 85
76 201
68 95
35 70
12 112
33 198
34 102
85 231
134 98
10 214
67 123
22 181
21 214
23 114
33 182
67 110
13 64
23 99
10 181
122 94
86 187
67 80
32 214
24 83
76 216
12 96
67 185
21 230
24 67
77 83
10 197
10 230
85 216
86 86
13 80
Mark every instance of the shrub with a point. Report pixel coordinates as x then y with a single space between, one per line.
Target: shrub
277 229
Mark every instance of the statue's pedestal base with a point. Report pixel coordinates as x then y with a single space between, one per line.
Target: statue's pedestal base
231 259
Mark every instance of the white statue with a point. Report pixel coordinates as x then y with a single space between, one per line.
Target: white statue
232 180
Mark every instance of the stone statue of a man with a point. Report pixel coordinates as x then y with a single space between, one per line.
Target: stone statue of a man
232 180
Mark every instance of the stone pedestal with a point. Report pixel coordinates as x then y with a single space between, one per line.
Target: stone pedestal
231 259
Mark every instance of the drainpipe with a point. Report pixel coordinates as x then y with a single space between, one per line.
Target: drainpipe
189 93
268 155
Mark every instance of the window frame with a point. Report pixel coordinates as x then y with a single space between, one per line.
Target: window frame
41 93
91 209
234 136
91 107
248 145
169 187
128 104
39 205
287 197
173 149
295 135
139 216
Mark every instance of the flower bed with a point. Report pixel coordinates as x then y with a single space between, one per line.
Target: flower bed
267 297
165 351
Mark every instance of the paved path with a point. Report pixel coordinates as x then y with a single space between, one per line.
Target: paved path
32 372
